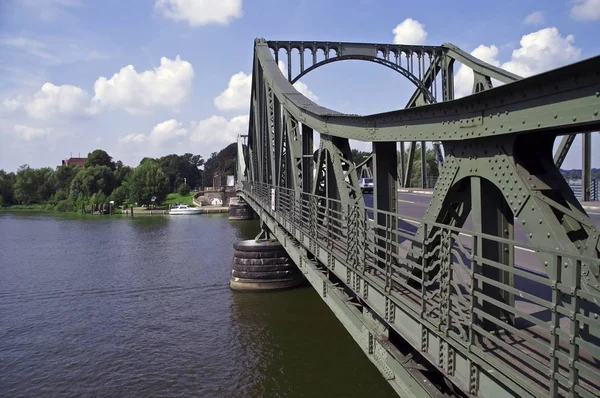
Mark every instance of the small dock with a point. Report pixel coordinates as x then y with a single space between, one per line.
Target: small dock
138 211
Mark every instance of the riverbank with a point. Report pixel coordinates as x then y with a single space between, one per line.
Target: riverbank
139 211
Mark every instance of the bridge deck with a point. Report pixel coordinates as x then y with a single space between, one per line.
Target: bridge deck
525 326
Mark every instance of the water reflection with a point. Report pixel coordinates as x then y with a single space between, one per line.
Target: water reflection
121 306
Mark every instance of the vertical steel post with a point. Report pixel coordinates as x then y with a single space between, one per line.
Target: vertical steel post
586 166
491 215
385 193
307 158
423 165
409 164
402 164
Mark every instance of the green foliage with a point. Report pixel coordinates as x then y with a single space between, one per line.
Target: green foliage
63 176
576 174
149 180
359 156
7 182
98 198
223 163
28 185
92 179
69 187
120 195
184 190
430 163
65 206
122 172
99 158
182 169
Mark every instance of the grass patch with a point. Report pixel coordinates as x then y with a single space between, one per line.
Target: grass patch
32 207
173 198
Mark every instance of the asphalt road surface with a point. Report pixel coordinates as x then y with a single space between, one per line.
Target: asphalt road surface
414 205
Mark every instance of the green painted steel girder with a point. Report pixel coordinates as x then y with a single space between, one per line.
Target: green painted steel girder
569 104
498 169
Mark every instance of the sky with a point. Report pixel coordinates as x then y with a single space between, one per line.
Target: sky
152 77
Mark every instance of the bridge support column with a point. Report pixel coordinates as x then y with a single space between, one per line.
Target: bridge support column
240 210
263 264
385 200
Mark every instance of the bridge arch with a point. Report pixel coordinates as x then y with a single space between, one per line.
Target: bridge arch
381 61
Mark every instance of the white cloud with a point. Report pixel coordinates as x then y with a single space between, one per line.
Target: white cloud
539 51
12 104
585 10
463 80
52 101
133 139
237 93
169 85
27 133
200 12
161 133
535 18
216 132
410 31
167 130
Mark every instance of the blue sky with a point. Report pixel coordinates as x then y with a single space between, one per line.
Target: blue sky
152 77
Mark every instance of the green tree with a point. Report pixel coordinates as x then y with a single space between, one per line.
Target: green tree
90 180
182 169
120 195
430 163
193 172
46 186
149 180
122 173
223 163
26 185
63 177
7 182
359 156
184 190
99 157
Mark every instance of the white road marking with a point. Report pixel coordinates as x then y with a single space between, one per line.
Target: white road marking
416 193
406 201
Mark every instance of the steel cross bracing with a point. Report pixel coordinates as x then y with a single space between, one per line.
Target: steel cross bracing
430 293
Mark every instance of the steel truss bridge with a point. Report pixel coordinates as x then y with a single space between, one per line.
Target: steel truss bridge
441 305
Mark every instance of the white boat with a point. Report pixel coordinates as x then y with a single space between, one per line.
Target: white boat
184 209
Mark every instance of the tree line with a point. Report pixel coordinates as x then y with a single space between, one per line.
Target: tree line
431 163
575 174
101 180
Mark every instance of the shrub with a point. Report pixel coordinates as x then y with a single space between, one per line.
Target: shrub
184 190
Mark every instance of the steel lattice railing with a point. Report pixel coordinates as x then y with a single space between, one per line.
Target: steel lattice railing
529 326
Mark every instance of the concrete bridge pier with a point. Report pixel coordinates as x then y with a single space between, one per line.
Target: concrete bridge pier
263 264
240 210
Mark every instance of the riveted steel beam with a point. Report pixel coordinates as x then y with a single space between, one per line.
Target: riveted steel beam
568 105
437 294
563 149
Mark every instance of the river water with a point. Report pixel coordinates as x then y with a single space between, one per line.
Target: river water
120 307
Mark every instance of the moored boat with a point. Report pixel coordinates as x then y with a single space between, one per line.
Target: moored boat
184 209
